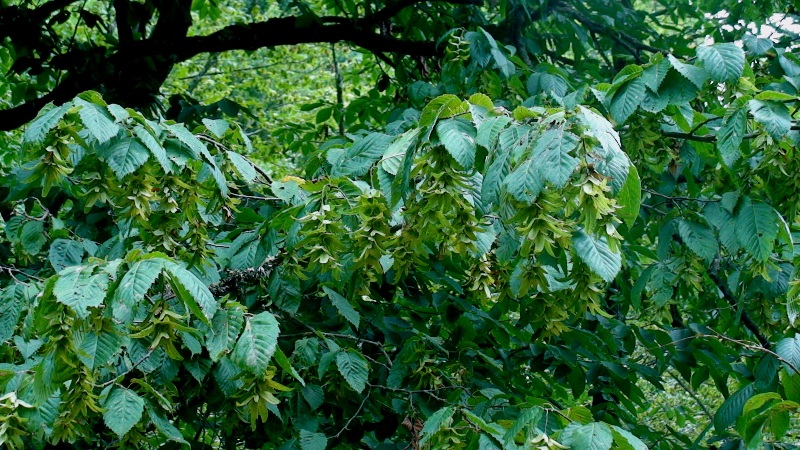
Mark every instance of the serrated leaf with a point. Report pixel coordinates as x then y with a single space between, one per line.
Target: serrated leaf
225 327
442 107
313 395
596 254
95 350
625 440
789 351
396 152
154 146
243 166
630 197
602 130
256 345
654 75
97 121
458 138
525 182
730 136
528 418
12 301
756 45
79 289
165 427
695 74
489 131
435 423
357 159
33 237
731 409
312 441
495 175
123 410
217 127
354 368
286 365
65 253
724 62
552 152
124 156
343 306
44 123
699 238
756 228
775 95
627 99
138 280
192 291
774 116
592 436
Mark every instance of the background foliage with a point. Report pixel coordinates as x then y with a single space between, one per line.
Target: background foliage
399 225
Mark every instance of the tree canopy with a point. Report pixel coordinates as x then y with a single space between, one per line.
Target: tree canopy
503 224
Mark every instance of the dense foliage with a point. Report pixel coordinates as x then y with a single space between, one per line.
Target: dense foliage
539 216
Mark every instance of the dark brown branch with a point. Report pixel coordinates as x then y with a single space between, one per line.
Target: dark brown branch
394 8
124 30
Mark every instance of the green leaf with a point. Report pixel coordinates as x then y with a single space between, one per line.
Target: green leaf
96 350
79 289
757 46
435 423
724 62
286 365
756 228
654 75
625 440
699 238
195 145
774 116
225 327
217 127
495 175
192 291
626 99
552 152
730 136
12 301
97 121
602 130
124 156
789 351
397 150
138 280
47 119
314 395
65 253
359 157
33 237
164 426
597 255
592 436
312 441
458 137
695 74
154 146
489 131
257 343
123 410
354 368
243 166
528 418
775 95
525 182
731 409
630 197
442 107
343 306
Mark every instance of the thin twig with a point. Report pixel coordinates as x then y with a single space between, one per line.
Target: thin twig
360 407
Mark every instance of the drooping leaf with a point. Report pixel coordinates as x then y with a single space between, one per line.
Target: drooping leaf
138 280
80 289
756 228
732 407
256 345
65 253
625 440
597 255
696 75
124 156
724 62
242 165
730 136
343 306
354 368
397 150
435 423
630 197
97 120
47 119
442 107
789 351
699 238
154 146
225 327
626 99
773 115
123 410
192 291
592 436
312 441
458 137
553 153
359 157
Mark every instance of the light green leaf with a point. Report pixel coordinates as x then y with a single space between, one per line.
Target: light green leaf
155 147
97 121
354 368
602 130
592 436
195 145
489 131
217 127
397 150
137 281
435 423
243 166
695 74
775 95
95 350
528 418
789 351
525 182
495 175
597 255
257 343
123 410
312 441
442 107
756 228
225 327
192 291
699 238
124 156
654 75
724 62
12 301
626 99
756 45
343 306
77 288
47 119
730 135
773 115
625 440
65 253
458 137
552 153
630 197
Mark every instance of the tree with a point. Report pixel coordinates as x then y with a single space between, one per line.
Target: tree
538 216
